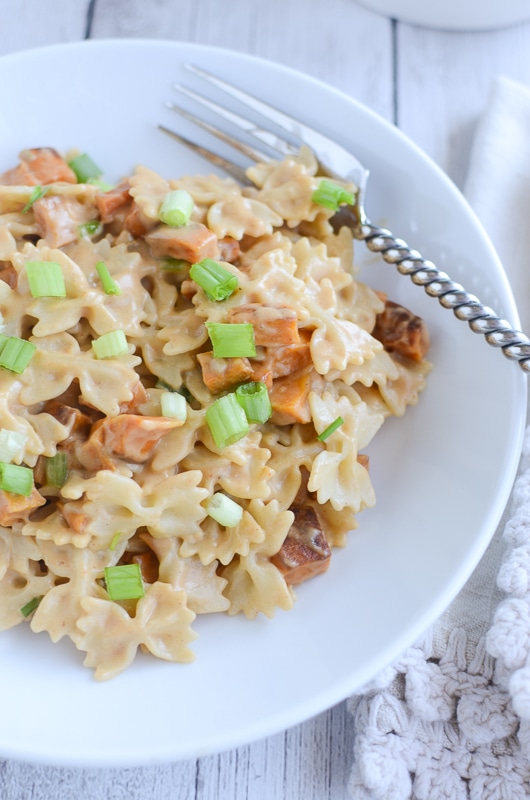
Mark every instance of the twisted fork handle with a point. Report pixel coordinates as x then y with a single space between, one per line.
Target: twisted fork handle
466 307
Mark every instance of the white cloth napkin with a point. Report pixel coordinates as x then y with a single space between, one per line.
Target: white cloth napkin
450 720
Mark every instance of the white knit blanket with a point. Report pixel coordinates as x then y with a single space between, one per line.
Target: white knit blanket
450 720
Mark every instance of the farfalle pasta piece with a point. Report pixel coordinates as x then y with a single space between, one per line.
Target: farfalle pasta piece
105 383
148 189
255 585
79 571
203 587
238 216
336 474
215 542
111 638
241 470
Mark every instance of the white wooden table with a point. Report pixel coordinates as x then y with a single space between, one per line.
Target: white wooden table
433 85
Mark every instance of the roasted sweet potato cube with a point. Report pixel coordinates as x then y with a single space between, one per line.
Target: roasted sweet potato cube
191 242
401 331
219 374
229 249
289 398
305 551
108 203
17 508
39 166
273 326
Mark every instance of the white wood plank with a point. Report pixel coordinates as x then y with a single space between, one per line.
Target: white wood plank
338 41
443 84
33 23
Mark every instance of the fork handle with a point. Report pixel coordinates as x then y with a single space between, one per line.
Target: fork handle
514 344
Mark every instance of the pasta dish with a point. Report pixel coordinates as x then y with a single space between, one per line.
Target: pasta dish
190 375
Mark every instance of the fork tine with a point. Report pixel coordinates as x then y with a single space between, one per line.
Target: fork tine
232 169
249 152
280 146
269 112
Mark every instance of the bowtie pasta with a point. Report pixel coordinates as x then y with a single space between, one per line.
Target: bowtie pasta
190 376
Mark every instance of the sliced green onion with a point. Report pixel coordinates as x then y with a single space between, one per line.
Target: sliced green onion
226 420
110 345
36 193
173 405
224 510
84 168
217 282
11 444
15 479
330 429
45 279
56 469
124 582
174 264
90 228
107 281
254 399
115 540
232 339
31 606
176 208
15 353
331 195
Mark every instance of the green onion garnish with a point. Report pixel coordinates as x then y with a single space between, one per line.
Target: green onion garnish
15 353
173 405
330 429
331 195
217 282
224 510
11 444
232 339
15 479
107 281
84 168
45 279
226 420
90 228
254 399
110 345
174 264
176 208
36 193
30 607
124 582
56 469
115 540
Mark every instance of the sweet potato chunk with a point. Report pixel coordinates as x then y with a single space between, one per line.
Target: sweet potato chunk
17 508
289 398
58 218
273 326
108 203
305 551
129 436
39 166
191 242
282 361
219 374
401 331
229 249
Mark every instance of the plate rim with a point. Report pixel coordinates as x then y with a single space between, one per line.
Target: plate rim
323 700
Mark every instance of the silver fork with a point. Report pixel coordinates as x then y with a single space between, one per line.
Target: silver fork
338 163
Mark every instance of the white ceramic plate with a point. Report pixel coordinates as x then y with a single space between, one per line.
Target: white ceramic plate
442 474
457 15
